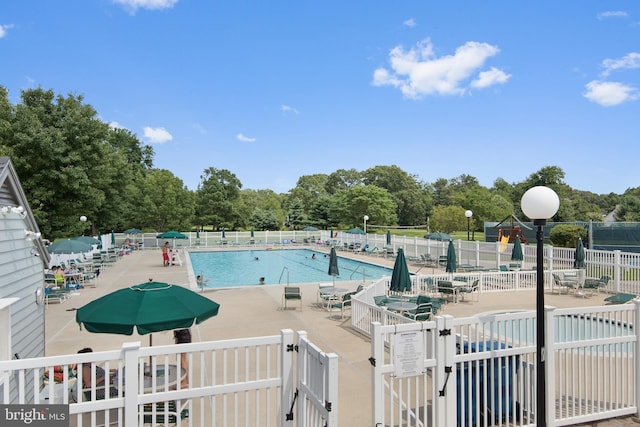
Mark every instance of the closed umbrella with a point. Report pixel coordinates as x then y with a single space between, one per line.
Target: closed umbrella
516 253
224 236
252 234
451 258
70 246
579 255
400 278
333 265
113 238
147 308
388 237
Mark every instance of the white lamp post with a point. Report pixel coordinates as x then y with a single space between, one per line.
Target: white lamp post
468 214
539 204
366 218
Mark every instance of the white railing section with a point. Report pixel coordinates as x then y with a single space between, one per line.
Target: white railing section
246 381
481 370
317 390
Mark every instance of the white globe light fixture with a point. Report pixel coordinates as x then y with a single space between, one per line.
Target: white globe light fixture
468 214
539 204
83 218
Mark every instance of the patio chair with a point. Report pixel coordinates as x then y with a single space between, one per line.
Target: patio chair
472 290
172 410
564 285
344 303
620 298
421 313
596 284
291 293
447 290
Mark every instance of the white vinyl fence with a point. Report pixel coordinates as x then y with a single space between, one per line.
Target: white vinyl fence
481 370
248 381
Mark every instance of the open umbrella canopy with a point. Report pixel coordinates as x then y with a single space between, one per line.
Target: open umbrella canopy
452 264
132 231
171 235
443 237
400 278
310 228
148 307
88 240
516 253
70 246
355 230
579 255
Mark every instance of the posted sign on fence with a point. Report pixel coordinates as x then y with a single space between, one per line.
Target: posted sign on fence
408 353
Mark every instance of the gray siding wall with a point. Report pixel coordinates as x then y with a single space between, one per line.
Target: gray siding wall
21 273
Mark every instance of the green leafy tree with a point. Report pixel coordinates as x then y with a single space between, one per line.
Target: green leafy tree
307 190
448 219
264 219
567 235
348 207
296 215
167 204
629 209
217 199
403 188
342 179
320 213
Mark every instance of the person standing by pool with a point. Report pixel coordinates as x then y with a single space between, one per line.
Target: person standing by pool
165 254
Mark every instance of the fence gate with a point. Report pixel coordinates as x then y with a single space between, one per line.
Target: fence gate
317 390
408 385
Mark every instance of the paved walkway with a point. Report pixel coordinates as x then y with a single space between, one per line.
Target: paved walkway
256 311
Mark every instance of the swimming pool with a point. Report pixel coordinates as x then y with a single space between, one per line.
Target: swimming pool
222 269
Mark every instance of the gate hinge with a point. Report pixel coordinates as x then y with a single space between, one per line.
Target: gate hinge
372 360
292 347
445 332
327 405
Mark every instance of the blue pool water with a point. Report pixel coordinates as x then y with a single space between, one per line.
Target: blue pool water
240 268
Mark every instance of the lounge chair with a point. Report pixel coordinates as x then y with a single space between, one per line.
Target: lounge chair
172 410
620 298
447 289
291 293
596 284
564 284
421 313
472 290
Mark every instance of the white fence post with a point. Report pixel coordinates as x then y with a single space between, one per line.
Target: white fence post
286 357
549 364
377 386
636 361
130 352
331 386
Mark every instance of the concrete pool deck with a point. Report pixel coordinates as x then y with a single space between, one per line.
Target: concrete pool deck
256 311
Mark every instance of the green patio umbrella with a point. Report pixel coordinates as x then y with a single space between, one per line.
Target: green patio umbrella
400 278
333 265
89 240
252 234
113 238
388 237
171 235
132 231
516 253
310 228
579 256
443 237
197 232
223 234
452 264
355 230
69 246
147 308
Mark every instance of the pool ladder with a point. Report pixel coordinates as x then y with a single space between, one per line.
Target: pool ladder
282 273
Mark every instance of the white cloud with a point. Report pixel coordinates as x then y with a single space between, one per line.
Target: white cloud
244 138
116 125
289 109
157 135
609 94
627 62
3 30
133 5
418 72
612 14
490 78
409 23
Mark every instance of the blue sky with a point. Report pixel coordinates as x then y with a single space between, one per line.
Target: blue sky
273 90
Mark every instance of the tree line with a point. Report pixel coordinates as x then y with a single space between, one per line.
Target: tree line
71 163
